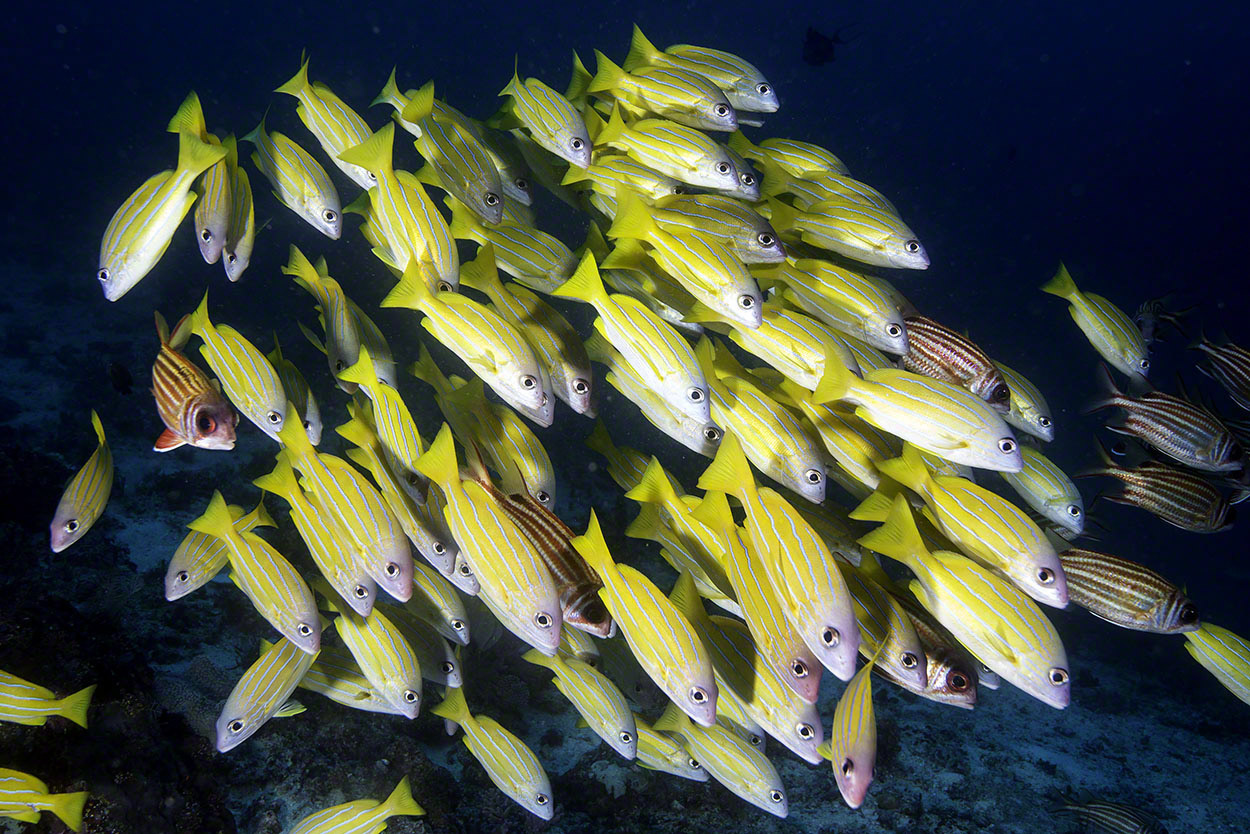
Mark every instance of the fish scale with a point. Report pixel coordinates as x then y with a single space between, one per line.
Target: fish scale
937 351
1125 593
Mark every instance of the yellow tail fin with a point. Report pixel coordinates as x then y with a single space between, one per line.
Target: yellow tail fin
1062 284
74 707
401 803
298 82
898 538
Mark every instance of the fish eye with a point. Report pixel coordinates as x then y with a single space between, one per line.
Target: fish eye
958 681
71 526
723 167
304 629
372 176
183 576
236 726
626 737
754 740
678 189
1074 511
465 570
360 592
274 417
1058 676
576 144
205 423
580 386
1046 576
746 302
491 198
543 619
711 434
693 764
103 275
798 669
438 548
1144 364
448 667
830 636
206 235
698 695
1007 445
443 286
528 382
541 798
763 89
329 215
848 767
805 730
813 476
1188 615
457 625
543 496
776 796
893 330
1043 421
338 365
909 660
912 246
392 569
1001 393
765 239
232 257
695 395
748 179
410 697
521 183
721 110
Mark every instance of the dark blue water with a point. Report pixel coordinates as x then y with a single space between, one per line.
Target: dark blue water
1111 137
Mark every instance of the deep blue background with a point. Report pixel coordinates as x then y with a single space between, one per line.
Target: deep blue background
1010 136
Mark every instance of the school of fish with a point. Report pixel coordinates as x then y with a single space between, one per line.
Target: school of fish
739 305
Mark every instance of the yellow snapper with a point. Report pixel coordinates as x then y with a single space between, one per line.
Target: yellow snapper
1108 328
141 228
23 702
86 494
846 301
199 557
658 751
661 357
297 391
990 529
663 640
1223 654
511 765
214 208
748 235
491 347
730 759
853 742
261 692
368 529
551 120
269 581
1048 490
744 85
342 342
241 232
298 180
626 465
886 632
337 676
864 233
598 700
361 816
611 173
23 798
555 342
248 379
935 416
796 158
995 620
435 656
1029 411
336 125
322 537
530 255
385 656
678 94
676 150
394 423
505 562
705 267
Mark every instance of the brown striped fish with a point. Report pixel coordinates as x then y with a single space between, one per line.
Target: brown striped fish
936 351
191 407
577 583
1126 594
1180 498
1229 365
1098 816
1176 427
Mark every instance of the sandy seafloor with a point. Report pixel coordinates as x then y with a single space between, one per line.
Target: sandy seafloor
1147 726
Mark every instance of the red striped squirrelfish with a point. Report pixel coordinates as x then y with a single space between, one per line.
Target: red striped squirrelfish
1126 594
935 350
1229 365
192 408
1180 498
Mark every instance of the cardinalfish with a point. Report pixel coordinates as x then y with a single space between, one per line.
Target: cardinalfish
1229 365
193 410
1180 498
937 351
1126 594
1176 427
